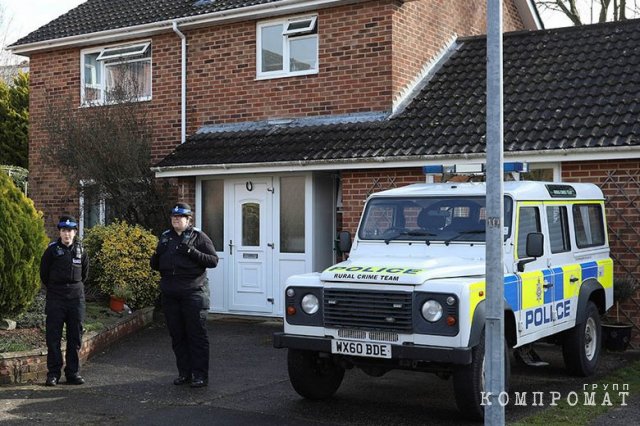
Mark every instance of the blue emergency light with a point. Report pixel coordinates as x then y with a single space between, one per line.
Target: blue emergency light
512 167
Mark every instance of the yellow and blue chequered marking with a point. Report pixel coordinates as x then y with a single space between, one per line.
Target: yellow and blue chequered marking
527 291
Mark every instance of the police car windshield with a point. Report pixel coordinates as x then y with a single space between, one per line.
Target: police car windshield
429 219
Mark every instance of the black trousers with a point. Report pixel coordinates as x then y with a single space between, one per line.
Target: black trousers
60 312
186 317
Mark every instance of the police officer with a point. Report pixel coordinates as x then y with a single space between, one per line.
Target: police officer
63 270
182 256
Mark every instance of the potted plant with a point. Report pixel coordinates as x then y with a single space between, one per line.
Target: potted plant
120 293
617 335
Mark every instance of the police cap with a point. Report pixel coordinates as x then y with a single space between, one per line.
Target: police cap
181 209
67 221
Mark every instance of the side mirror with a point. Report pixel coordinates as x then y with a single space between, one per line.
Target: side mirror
344 238
534 249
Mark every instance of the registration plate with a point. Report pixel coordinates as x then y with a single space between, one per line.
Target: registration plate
373 350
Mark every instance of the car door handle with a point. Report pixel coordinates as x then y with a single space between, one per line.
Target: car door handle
573 279
547 285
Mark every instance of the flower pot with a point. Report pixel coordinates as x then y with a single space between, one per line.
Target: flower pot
616 336
116 304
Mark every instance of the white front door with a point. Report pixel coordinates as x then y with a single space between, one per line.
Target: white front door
251 245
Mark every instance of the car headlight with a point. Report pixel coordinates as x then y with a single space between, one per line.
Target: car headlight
310 304
431 310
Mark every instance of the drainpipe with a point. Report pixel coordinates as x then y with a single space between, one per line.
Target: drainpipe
183 84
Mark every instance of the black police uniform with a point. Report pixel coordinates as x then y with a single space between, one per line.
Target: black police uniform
182 261
63 270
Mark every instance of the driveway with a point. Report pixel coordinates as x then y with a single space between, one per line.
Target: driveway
131 383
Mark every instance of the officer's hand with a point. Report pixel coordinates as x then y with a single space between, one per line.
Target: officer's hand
183 248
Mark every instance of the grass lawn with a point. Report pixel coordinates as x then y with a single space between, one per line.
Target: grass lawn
605 398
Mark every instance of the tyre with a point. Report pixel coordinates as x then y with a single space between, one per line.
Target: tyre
311 376
468 382
581 344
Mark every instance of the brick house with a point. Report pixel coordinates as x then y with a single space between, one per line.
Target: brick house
294 111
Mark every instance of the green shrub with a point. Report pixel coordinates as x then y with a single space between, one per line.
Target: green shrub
22 242
119 255
92 243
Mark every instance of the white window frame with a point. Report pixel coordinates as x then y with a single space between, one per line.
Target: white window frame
308 31
311 25
113 55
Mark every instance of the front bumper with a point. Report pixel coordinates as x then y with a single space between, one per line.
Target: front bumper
461 356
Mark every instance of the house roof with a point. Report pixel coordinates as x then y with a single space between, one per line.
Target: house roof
95 16
564 90
111 20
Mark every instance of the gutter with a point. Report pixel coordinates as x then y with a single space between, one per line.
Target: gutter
183 83
405 161
145 30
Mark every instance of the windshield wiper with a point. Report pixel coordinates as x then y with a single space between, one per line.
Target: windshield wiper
461 233
414 233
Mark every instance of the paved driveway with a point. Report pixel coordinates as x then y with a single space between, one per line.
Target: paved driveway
130 383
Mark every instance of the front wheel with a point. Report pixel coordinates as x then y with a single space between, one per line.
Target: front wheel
581 344
469 382
311 376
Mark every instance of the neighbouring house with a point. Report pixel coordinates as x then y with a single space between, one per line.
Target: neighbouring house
277 119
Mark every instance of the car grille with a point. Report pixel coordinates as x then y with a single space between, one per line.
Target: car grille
374 310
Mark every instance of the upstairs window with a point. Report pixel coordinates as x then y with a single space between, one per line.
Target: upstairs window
287 47
116 74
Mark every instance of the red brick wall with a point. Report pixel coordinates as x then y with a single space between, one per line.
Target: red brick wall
57 74
421 29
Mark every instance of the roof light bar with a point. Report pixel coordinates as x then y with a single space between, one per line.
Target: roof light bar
473 168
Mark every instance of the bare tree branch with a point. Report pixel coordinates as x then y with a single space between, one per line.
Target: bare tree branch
603 9
105 151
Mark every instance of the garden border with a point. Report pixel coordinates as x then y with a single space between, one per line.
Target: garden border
30 367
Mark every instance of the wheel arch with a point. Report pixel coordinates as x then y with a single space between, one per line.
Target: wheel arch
479 320
590 290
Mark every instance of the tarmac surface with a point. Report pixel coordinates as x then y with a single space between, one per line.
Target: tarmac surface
131 383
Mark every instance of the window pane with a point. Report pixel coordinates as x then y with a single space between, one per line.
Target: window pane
92 78
213 211
545 175
251 224
528 222
303 53
128 81
272 52
558 229
91 214
292 214
589 226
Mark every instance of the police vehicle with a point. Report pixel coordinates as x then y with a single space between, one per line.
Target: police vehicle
412 293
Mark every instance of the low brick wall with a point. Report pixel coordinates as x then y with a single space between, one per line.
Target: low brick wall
31 366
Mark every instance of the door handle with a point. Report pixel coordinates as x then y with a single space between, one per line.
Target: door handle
272 245
547 285
573 279
230 247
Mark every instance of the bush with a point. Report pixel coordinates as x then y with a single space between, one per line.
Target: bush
22 242
34 316
119 254
624 288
